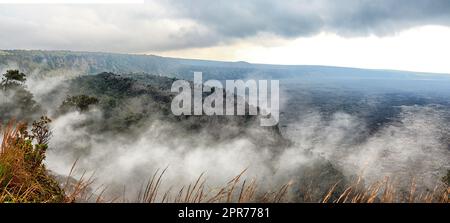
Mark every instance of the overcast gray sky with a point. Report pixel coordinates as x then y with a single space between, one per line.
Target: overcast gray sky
330 32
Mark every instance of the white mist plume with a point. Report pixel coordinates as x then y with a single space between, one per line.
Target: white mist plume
415 145
120 161
411 147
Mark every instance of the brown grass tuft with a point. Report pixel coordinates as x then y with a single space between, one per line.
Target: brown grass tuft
23 177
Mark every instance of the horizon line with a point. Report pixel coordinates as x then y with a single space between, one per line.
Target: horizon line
233 61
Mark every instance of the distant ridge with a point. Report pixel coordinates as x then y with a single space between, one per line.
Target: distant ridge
83 63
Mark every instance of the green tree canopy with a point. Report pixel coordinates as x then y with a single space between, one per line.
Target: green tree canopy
13 78
17 102
80 102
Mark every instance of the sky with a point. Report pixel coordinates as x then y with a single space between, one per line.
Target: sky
382 34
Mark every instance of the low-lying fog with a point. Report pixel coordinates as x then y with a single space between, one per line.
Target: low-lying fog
361 131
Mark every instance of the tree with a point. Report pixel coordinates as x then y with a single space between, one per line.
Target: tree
41 130
12 78
17 102
80 102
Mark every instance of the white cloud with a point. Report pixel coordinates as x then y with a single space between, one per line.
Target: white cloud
292 32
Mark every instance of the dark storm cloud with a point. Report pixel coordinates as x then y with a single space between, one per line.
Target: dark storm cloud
383 17
169 25
246 18
293 18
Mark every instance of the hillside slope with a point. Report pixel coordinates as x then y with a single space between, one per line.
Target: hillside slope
54 62
130 103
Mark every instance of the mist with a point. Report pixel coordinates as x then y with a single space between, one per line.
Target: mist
412 147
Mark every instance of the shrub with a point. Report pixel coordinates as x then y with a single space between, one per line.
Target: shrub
80 102
23 176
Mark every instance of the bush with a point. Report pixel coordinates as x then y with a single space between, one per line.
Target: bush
23 176
80 102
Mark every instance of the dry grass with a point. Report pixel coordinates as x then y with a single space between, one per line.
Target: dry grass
387 191
234 191
79 190
237 191
23 178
